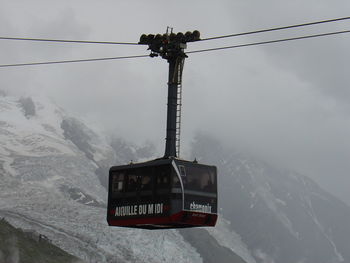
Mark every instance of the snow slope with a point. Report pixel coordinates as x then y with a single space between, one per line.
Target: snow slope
52 169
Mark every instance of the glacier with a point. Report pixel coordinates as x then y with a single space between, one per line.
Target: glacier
51 164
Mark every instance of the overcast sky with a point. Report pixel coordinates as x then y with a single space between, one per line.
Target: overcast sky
286 102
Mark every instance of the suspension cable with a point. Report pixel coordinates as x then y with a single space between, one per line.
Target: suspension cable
71 61
269 41
68 41
277 28
189 52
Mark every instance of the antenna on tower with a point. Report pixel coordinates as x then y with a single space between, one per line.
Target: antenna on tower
167 30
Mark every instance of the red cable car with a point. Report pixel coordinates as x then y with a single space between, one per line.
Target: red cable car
166 192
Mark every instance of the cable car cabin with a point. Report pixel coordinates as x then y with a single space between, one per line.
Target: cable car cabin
163 193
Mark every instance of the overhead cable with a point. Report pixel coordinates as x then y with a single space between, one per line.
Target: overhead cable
204 39
269 41
68 41
189 52
277 28
71 61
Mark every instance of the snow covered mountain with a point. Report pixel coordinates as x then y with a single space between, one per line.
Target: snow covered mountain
281 216
53 170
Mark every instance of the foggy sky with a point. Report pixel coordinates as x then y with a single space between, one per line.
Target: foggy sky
287 103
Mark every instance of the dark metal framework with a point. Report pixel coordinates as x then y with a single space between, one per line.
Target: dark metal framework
171 47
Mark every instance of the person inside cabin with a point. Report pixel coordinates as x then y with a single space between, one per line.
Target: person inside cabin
208 185
194 183
163 180
132 185
146 183
176 182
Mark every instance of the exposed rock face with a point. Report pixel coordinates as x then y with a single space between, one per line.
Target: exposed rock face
28 106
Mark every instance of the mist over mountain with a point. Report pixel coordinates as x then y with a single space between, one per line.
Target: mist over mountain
54 172
282 216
